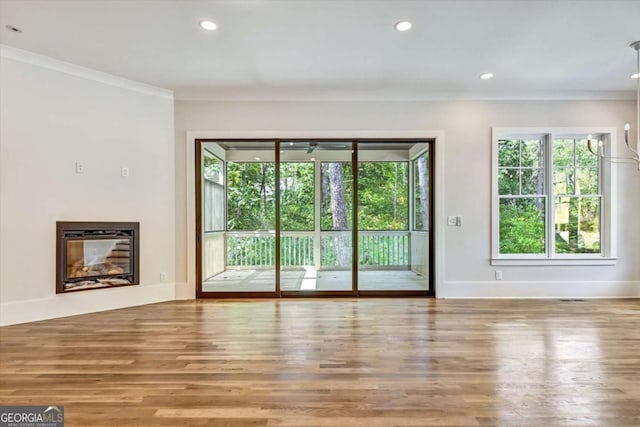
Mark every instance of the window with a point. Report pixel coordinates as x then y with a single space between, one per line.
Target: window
551 198
576 190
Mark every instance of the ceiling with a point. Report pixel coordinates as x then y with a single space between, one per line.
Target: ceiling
343 49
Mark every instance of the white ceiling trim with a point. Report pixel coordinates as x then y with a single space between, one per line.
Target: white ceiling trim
38 60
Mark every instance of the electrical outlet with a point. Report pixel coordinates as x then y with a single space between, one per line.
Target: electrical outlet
498 274
79 167
125 171
458 221
163 276
452 221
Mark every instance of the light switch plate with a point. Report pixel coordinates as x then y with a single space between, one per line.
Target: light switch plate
452 220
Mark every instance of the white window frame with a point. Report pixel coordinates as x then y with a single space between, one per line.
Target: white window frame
607 255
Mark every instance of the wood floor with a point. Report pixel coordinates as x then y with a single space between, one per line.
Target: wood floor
333 362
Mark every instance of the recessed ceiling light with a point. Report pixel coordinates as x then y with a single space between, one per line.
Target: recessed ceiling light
486 76
257 158
635 76
208 25
403 26
13 29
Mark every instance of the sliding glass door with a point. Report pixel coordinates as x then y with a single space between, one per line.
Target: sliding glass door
313 217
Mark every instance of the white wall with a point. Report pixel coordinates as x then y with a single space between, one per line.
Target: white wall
466 179
52 115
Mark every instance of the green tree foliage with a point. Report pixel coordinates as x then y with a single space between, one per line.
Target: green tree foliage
521 227
250 196
383 192
296 196
575 180
383 189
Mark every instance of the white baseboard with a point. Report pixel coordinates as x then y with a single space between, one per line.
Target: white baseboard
538 289
184 291
73 303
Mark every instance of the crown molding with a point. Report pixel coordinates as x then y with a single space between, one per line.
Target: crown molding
47 62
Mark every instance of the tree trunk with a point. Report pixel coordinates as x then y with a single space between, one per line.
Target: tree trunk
573 227
339 213
263 186
423 186
395 192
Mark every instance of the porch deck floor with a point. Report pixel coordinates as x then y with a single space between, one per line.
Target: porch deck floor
311 280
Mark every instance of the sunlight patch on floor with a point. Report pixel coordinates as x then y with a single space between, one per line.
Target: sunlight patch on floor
310 279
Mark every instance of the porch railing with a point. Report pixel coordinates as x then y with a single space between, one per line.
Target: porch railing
247 249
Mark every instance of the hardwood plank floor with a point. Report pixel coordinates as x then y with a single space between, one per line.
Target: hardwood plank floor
333 362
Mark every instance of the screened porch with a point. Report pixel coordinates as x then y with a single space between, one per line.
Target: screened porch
298 236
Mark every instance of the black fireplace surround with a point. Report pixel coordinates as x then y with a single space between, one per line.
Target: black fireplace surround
96 255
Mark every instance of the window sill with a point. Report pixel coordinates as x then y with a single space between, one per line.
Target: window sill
594 261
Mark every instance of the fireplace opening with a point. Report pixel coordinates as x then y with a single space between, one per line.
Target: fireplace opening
92 255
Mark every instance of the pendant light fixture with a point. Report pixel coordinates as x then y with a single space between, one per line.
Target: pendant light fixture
634 158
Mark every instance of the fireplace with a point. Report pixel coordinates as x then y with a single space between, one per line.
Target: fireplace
94 255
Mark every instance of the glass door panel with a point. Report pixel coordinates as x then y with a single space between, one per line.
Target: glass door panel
316 213
385 246
242 249
421 186
298 270
336 219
